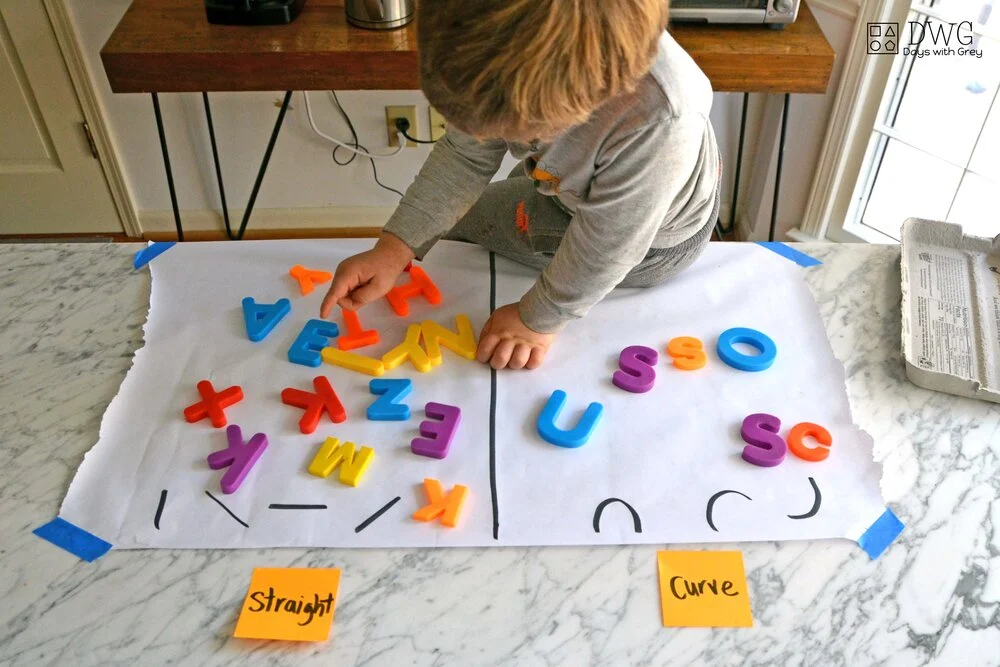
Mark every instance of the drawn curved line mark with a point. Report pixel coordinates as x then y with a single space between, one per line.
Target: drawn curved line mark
816 503
636 523
228 511
159 509
711 503
370 520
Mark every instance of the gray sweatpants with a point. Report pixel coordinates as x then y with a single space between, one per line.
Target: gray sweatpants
513 220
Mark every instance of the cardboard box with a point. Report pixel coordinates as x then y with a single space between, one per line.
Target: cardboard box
951 309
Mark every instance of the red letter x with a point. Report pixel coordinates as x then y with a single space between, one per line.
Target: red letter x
315 404
212 405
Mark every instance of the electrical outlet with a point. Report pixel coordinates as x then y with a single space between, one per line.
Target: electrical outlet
409 113
437 123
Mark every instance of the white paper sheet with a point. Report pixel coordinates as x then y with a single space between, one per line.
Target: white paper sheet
665 453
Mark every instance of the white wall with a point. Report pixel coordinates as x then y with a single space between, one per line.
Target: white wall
302 173
807 120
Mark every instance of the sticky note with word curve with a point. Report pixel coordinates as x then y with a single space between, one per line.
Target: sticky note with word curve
704 589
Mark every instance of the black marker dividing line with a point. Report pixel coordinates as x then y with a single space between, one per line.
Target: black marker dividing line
159 509
370 520
228 511
280 506
636 523
493 409
816 503
711 503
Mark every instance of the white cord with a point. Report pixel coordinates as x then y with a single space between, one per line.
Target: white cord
312 124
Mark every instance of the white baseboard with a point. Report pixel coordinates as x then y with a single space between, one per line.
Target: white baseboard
796 234
269 219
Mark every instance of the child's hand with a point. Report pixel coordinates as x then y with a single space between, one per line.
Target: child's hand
507 343
367 276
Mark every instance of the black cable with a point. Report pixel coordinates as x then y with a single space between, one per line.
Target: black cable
354 141
403 125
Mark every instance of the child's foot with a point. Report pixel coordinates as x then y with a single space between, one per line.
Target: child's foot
507 343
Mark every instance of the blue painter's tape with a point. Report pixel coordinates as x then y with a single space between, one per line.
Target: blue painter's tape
151 252
881 534
788 252
75 540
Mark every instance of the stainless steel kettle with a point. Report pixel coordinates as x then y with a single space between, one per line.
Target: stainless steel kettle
379 14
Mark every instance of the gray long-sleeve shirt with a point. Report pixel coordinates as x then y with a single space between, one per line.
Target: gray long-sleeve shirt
641 173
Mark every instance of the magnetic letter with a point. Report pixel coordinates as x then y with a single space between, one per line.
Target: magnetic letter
688 353
808 430
315 404
356 336
332 454
638 372
549 432
352 362
462 342
765 447
387 406
213 405
261 318
408 349
746 362
238 457
437 435
447 507
420 283
313 338
308 278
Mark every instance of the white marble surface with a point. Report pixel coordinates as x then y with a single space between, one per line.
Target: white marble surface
71 316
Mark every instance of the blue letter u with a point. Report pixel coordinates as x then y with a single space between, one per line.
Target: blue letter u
574 437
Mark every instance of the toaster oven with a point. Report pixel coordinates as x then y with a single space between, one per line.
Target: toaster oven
777 13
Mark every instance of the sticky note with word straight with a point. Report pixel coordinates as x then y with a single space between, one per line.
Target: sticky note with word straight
704 589
289 603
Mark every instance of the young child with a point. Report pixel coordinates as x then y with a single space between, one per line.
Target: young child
620 175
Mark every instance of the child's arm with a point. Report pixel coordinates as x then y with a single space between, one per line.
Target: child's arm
451 180
642 179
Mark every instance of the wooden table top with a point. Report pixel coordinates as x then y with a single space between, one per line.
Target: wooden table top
169 46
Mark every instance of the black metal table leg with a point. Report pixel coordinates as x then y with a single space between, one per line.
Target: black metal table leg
260 172
166 165
263 164
777 170
218 167
723 229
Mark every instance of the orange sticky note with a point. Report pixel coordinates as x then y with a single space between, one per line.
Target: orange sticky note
704 589
289 603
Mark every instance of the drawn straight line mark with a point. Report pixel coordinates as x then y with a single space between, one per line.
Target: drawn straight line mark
816 503
493 409
370 520
280 506
711 503
228 511
636 523
159 509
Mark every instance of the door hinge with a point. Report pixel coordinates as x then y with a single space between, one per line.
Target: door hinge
90 140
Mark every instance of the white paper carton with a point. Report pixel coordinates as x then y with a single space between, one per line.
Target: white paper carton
951 309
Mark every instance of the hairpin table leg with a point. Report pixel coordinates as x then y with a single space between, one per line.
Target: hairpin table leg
777 170
166 165
728 229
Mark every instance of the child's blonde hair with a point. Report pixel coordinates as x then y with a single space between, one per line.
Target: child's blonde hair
533 66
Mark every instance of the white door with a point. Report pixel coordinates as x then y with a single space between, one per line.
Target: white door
50 181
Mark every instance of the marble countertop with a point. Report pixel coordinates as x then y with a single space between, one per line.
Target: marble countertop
72 317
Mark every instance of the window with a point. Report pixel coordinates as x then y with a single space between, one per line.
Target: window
934 151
